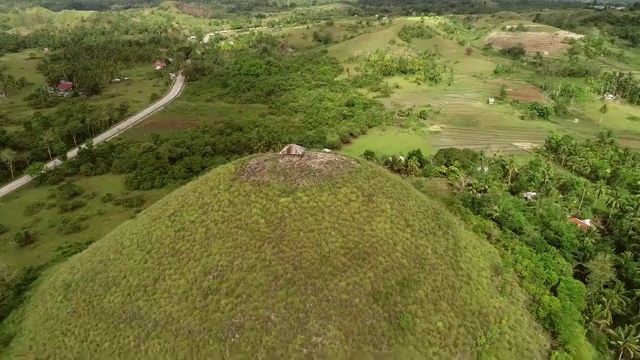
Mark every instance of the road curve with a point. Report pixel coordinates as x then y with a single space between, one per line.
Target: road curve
175 91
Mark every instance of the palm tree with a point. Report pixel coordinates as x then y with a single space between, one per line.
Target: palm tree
614 203
626 341
618 295
512 169
585 187
597 318
601 189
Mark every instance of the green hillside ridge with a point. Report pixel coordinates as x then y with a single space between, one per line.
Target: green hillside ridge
326 255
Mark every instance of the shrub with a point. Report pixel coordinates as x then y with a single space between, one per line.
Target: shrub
34 208
130 202
70 226
515 52
23 238
72 206
69 191
154 97
633 118
539 110
107 198
3 229
369 155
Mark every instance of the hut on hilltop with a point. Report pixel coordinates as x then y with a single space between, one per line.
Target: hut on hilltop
292 149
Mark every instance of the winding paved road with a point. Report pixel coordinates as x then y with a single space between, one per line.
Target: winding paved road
175 91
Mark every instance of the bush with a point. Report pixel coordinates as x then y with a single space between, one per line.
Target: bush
72 206
23 238
131 202
34 208
3 229
154 97
369 155
515 52
539 110
70 226
107 198
69 191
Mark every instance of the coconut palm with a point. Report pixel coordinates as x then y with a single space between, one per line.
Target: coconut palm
626 341
618 295
601 189
512 169
615 202
596 318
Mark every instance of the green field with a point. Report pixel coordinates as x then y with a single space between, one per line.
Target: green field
37 209
238 262
390 141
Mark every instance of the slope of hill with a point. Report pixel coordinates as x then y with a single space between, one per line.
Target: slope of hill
324 256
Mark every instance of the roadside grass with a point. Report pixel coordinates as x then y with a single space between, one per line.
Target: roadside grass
101 218
285 270
137 91
389 141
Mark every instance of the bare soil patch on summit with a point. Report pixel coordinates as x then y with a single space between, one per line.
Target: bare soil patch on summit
310 168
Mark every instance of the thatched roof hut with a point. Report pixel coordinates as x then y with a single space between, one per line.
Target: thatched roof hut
292 149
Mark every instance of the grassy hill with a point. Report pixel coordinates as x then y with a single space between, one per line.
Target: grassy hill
326 256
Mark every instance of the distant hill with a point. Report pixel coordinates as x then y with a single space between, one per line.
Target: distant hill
266 257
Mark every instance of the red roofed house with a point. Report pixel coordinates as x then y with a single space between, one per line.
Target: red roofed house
159 65
65 86
584 224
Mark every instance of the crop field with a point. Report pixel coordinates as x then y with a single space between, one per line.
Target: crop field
187 113
38 208
545 42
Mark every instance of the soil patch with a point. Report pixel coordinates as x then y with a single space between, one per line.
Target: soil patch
526 146
525 93
171 125
532 41
310 168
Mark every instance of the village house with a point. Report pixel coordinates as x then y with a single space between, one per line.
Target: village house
583 224
159 65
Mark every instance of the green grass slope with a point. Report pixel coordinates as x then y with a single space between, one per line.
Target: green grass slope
264 258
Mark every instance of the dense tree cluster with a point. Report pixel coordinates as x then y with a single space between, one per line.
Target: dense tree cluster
622 25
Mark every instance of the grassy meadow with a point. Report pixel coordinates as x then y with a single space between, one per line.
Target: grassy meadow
239 262
38 209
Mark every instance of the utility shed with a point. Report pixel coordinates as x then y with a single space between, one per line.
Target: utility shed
292 149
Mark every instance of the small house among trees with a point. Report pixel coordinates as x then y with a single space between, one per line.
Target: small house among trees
65 86
583 224
159 65
292 149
